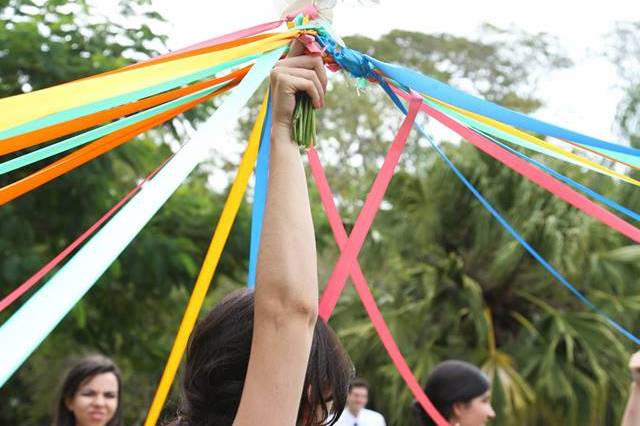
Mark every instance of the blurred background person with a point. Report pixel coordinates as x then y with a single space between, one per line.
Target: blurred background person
355 414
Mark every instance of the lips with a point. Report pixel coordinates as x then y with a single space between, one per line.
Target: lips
97 415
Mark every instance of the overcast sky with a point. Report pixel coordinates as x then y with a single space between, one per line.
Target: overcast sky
582 98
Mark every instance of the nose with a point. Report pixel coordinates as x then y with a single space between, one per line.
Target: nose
491 414
99 400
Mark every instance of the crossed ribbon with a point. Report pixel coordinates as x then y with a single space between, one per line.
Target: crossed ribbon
350 246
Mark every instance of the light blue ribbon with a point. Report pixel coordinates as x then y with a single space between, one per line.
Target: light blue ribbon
104 104
507 226
260 196
91 135
448 94
21 334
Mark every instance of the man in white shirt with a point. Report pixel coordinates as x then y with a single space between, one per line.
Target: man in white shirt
355 414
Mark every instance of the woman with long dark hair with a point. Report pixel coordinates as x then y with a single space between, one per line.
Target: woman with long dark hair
460 392
263 358
90 394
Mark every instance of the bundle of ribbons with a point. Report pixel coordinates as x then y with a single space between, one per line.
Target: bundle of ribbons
94 115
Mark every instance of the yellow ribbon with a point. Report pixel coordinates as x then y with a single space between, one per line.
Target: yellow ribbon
20 109
539 142
209 265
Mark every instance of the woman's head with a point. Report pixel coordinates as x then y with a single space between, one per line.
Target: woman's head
217 360
90 394
460 392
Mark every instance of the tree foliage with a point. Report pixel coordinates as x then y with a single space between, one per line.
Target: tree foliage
624 53
448 279
134 310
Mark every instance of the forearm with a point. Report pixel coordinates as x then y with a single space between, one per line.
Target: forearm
632 412
287 270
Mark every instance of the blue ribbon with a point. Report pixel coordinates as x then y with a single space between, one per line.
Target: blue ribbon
362 66
580 187
260 196
448 94
507 226
357 64
37 317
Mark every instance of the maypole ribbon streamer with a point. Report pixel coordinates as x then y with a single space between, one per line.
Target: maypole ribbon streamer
520 138
63 116
228 38
82 123
364 292
259 198
580 187
172 56
35 278
31 324
93 150
71 100
443 92
507 226
365 219
544 180
91 135
209 265
531 142
482 129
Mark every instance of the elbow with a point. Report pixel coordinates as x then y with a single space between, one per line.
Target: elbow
286 305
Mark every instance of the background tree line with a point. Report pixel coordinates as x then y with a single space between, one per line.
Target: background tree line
448 279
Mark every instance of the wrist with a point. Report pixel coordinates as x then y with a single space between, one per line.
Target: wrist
281 133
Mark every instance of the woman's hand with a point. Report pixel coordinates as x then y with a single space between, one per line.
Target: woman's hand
296 73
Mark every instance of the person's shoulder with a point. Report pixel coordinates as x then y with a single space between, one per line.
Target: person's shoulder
344 418
374 415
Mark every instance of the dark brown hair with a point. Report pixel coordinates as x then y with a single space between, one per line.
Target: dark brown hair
217 360
83 370
451 382
359 383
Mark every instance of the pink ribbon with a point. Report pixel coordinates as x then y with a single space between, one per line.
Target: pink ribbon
247 32
534 174
367 214
366 297
310 10
35 278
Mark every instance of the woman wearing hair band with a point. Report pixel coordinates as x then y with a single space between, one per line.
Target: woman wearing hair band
263 358
460 392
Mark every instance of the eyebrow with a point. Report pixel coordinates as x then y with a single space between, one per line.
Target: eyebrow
89 389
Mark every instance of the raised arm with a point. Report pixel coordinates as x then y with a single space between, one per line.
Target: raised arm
286 298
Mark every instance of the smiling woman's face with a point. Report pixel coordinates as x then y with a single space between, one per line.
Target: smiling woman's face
96 400
476 412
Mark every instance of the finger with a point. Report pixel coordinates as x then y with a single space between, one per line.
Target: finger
296 48
306 74
307 62
300 84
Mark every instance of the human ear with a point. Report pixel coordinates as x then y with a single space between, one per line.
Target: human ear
68 402
458 409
